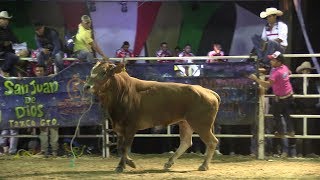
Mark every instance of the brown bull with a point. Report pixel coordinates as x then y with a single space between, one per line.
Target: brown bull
135 104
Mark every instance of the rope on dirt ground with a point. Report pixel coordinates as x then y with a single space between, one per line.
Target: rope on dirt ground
78 151
72 161
23 153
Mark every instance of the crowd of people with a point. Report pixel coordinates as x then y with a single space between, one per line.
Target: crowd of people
268 47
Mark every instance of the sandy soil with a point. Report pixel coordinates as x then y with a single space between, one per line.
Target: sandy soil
151 167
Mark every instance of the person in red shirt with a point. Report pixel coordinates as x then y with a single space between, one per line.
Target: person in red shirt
125 52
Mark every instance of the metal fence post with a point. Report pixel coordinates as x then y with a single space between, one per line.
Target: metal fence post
260 135
105 140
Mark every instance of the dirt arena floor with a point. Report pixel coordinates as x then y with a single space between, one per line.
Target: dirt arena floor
150 167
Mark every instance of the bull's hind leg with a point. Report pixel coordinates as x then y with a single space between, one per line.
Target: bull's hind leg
185 142
211 142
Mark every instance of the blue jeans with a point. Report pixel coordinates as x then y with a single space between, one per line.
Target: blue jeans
271 143
271 47
41 57
85 56
283 107
12 142
10 60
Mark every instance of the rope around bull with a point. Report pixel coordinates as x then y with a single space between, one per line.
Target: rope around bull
72 161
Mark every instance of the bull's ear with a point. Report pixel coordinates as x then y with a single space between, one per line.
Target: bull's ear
119 68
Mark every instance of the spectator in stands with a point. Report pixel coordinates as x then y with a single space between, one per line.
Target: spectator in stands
84 43
49 46
44 131
187 52
164 52
273 38
177 51
9 144
279 80
188 70
7 38
217 51
305 147
125 52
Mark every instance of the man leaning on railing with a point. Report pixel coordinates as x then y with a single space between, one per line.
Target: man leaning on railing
84 44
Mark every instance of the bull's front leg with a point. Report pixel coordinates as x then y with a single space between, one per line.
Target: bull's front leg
120 141
120 146
127 148
126 143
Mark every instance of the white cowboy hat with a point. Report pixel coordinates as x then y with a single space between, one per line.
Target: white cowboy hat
270 11
304 65
4 14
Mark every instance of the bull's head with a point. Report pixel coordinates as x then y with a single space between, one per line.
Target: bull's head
100 74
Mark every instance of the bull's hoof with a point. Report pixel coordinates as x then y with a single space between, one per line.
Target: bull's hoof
119 169
203 168
168 165
131 163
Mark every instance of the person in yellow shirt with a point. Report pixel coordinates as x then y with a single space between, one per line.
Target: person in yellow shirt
84 44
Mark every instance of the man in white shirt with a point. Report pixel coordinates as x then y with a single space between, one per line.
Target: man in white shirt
274 35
